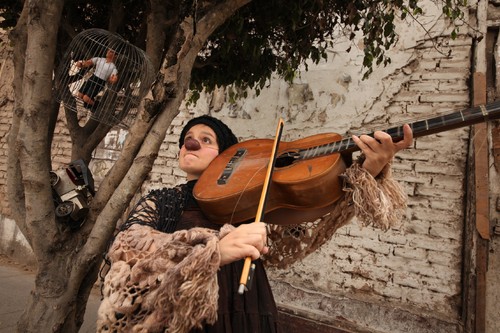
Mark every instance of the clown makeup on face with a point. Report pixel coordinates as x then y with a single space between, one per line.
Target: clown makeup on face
199 149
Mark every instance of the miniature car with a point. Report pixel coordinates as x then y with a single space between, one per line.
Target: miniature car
73 190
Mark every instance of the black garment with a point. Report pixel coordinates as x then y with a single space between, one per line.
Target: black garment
92 86
254 311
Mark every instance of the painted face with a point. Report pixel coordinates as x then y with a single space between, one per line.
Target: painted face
199 149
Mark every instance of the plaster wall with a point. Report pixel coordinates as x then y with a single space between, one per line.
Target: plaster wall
404 280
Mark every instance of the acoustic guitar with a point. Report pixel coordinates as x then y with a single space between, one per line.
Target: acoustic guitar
306 172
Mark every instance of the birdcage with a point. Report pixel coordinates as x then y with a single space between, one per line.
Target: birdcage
103 77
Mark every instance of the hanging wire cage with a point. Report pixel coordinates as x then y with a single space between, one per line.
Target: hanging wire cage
104 77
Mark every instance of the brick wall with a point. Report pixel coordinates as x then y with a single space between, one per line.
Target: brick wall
415 267
6 104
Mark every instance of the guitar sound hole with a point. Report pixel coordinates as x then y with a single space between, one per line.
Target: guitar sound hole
286 159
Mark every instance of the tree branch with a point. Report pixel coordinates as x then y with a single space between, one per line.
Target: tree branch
15 189
32 140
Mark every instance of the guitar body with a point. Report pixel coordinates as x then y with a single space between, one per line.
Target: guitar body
229 190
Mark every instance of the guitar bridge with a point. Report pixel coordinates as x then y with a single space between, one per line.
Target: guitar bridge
228 170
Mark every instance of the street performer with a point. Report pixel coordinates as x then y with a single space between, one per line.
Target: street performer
172 270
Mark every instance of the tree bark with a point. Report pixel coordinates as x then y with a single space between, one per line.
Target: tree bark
15 190
68 260
35 54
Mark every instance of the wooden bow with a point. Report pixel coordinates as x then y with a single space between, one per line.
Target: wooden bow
249 267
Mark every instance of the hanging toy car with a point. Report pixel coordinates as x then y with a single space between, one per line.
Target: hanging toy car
72 191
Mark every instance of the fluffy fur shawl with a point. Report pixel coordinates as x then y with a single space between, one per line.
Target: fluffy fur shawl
160 280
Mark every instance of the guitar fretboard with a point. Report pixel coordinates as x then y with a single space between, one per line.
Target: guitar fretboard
420 128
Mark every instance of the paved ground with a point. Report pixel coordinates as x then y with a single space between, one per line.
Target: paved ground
16 283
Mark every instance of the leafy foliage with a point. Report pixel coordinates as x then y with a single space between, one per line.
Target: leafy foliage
264 37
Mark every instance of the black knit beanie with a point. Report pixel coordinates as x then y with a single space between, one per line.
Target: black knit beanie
225 137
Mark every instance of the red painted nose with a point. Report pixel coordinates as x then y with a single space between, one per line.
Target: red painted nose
191 144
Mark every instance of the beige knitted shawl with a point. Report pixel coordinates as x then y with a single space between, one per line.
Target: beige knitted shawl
160 280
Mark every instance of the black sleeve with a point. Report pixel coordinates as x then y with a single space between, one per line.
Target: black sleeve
160 209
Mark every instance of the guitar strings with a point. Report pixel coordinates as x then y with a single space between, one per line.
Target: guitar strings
243 191
421 117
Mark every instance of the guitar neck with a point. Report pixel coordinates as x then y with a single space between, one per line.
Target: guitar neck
420 128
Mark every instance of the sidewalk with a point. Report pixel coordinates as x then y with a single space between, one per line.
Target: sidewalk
16 284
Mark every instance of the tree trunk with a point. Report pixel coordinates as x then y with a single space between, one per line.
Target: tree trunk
15 190
68 260
59 299
35 43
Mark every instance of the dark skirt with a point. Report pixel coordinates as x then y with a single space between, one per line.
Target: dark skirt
92 86
253 312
